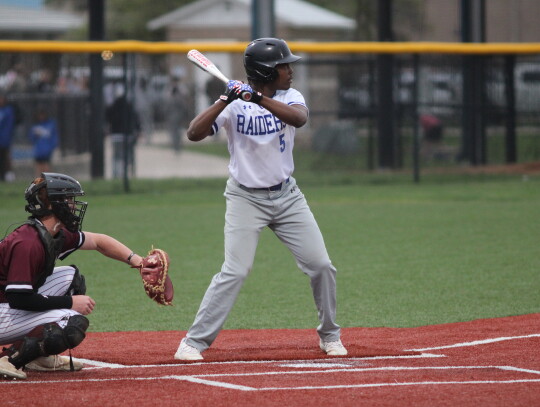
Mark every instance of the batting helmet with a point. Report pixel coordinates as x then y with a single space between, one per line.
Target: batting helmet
55 194
262 56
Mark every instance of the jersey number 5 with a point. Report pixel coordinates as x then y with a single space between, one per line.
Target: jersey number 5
281 143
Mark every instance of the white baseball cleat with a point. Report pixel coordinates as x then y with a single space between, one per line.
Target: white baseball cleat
8 371
53 363
187 352
333 348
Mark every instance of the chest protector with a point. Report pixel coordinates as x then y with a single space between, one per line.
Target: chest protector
52 245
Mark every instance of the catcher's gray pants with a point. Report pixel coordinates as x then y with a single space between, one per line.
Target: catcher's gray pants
287 213
16 323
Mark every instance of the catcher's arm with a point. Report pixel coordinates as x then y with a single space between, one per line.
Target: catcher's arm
110 247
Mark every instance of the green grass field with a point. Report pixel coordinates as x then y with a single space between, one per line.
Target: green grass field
444 250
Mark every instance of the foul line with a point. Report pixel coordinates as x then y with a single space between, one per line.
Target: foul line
361 370
351 386
474 343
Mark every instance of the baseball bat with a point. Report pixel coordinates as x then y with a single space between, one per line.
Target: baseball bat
201 61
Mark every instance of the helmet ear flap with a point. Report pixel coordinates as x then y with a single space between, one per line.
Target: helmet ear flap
36 196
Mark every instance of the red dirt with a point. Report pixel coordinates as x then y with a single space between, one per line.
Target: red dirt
492 362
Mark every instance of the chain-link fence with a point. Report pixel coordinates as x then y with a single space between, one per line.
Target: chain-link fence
435 119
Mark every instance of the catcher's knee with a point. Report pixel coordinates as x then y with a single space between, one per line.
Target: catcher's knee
57 340
49 339
75 330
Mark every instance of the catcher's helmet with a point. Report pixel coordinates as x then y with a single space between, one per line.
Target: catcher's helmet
55 194
261 57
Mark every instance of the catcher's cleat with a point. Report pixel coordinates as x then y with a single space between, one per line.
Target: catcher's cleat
8 371
54 363
187 352
334 348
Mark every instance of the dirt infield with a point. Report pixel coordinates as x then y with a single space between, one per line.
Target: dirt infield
491 362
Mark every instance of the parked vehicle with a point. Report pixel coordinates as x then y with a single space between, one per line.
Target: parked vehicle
527 87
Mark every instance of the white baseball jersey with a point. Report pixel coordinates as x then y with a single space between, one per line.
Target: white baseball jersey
260 144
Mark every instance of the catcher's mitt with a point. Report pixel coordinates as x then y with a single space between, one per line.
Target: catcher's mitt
154 271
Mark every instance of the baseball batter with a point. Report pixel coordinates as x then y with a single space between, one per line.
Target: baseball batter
261 192
43 308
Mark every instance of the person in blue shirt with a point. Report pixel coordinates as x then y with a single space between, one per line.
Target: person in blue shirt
44 136
7 127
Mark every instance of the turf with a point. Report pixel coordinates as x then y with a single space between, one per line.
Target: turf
444 250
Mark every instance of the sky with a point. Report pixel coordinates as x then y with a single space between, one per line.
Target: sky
22 3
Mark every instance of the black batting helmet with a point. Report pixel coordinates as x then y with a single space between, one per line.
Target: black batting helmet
261 57
54 194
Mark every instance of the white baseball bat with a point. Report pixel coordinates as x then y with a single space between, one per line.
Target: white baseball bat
206 65
201 61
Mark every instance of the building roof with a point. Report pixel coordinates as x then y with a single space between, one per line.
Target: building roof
237 13
18 20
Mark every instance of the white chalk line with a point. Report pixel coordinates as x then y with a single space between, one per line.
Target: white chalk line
363 370
98 364
476 343
95 364
199 378
353 386
202 378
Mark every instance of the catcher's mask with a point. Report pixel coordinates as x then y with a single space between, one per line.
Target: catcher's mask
261 57
54 194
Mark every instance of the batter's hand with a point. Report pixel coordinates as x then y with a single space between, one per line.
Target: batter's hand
233 84
83 304
250 95
230 95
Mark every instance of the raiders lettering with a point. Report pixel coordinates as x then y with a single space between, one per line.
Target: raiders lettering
258 125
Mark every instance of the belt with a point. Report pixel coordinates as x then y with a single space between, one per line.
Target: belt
276 187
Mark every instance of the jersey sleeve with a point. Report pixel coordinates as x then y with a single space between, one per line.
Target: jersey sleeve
223 118
72 242
294 97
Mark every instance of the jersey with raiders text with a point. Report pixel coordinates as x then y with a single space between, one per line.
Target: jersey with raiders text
260 144
22 258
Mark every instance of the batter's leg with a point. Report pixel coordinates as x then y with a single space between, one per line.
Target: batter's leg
244 220
298 229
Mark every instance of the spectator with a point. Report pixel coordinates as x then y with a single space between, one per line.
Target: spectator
124 126
16 81
176 111
7 126
144 109
45 83
432 127
44 136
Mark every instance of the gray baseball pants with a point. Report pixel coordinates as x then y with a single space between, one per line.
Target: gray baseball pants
287 213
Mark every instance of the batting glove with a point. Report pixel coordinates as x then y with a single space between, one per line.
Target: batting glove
230 95
232 84
249 95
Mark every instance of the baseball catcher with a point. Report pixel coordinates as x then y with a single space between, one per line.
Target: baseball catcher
46 305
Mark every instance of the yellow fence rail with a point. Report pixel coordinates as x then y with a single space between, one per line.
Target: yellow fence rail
296 46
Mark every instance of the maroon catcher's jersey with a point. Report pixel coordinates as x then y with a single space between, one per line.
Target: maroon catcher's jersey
22 258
